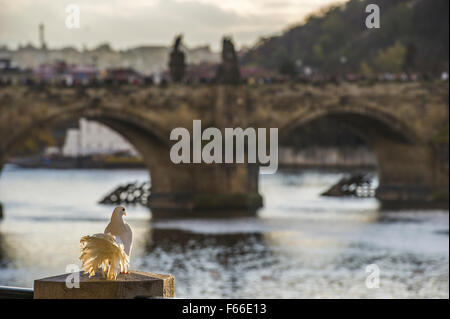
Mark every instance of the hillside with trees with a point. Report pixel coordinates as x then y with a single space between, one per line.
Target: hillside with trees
413 37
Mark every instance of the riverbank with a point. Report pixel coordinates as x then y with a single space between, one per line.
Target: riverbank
81 162
288 158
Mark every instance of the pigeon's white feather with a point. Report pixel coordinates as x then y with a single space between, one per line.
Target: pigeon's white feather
110 250
127 239
102 250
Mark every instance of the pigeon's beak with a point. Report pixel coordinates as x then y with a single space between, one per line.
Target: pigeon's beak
124 213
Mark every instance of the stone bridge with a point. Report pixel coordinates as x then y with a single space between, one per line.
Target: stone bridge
405 124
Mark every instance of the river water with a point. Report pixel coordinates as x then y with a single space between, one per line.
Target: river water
300 245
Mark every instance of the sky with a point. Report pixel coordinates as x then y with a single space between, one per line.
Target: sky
129 23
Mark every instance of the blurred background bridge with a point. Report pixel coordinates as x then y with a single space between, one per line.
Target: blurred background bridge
402 124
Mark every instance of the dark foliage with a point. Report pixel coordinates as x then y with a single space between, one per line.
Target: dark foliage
417 29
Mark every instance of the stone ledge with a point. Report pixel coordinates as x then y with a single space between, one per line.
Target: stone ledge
126 286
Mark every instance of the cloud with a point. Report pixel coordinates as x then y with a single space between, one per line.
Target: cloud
127 23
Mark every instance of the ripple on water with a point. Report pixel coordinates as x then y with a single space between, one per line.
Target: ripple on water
300 245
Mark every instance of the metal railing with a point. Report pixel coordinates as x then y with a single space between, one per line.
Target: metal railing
15 293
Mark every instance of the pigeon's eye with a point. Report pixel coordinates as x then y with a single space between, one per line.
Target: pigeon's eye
123 209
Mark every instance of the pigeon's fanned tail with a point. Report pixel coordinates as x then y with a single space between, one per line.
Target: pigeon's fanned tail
102 250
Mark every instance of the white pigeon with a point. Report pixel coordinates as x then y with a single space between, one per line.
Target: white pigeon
110 250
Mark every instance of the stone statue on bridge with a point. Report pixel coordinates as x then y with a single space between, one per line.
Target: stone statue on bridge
177 62
228 72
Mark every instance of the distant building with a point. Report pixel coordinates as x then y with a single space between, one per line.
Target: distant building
81 74
60 72
5 64
145 59
123 76
201 73
92 138
45 72
10 73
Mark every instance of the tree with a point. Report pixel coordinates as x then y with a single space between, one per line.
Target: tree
392 59
37 143
365 69
288 67
340 31
410 56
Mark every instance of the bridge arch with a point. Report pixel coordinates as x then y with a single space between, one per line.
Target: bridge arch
403 158
101 114
356 117
144 133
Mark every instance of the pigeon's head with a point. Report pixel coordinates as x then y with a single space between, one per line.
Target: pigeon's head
119 211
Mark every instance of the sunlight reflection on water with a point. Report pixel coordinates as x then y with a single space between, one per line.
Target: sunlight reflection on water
300 245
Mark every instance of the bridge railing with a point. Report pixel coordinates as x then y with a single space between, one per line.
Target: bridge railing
16 293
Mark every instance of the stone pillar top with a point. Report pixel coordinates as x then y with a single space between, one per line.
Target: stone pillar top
126 286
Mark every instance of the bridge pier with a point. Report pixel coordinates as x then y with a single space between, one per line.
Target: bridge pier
186 189
210 190
192 189
411 176
398 196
